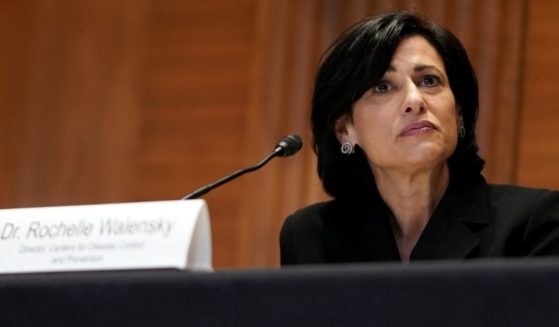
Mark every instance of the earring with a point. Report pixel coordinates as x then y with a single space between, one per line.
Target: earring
347 148
461 131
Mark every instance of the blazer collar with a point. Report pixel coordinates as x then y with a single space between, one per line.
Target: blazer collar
450 233
359 230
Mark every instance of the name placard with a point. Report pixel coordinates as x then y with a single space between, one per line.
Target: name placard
142 235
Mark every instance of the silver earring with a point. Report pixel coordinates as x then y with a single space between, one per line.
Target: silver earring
347 148
461 131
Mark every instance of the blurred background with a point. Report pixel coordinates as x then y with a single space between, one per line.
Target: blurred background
137 100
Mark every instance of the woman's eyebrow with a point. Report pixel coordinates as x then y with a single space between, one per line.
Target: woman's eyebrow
417 68
391 69
420 68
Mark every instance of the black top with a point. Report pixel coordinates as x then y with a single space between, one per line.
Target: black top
477 221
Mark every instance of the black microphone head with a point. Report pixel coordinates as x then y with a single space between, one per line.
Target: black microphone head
289 145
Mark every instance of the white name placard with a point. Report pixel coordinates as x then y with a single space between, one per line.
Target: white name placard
142 235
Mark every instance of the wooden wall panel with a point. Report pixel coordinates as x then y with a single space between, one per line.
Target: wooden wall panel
283 79
113 101
69 122
195 97
539 145
14 29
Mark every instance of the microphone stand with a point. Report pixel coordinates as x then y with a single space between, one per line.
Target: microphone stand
205 189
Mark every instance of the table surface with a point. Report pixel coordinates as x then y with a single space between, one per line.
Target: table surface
518 292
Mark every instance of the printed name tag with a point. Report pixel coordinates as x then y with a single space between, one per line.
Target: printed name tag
142 235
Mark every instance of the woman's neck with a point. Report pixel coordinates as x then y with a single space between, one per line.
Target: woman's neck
412 198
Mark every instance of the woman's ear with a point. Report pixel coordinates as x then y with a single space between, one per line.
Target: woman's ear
460 129
342 127
459 118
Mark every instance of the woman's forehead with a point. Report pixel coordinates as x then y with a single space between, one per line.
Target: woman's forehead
416 53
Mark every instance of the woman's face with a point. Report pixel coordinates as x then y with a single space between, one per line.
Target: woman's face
409 120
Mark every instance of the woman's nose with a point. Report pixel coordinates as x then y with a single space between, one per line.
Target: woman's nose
414 101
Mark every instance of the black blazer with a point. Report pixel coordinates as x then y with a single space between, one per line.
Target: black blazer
480 221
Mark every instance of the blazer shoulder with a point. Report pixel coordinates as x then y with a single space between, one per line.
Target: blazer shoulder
301 235
307 220
519 197
518 190
528 217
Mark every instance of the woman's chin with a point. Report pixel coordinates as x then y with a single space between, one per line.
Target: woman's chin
427 157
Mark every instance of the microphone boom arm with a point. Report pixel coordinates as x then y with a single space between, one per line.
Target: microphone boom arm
205 189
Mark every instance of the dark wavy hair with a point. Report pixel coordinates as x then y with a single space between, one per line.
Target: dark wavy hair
354 64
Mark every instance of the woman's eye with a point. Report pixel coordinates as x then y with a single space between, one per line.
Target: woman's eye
430 81
382 87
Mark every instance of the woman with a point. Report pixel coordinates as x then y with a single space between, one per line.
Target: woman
393 115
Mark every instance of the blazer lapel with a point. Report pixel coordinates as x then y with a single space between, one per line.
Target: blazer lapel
358 231
450 233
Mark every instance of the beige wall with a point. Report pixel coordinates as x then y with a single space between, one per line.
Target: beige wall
133 100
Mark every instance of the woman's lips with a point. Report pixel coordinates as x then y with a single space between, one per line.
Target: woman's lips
418 127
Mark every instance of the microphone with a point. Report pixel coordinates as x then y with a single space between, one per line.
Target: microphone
287 146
